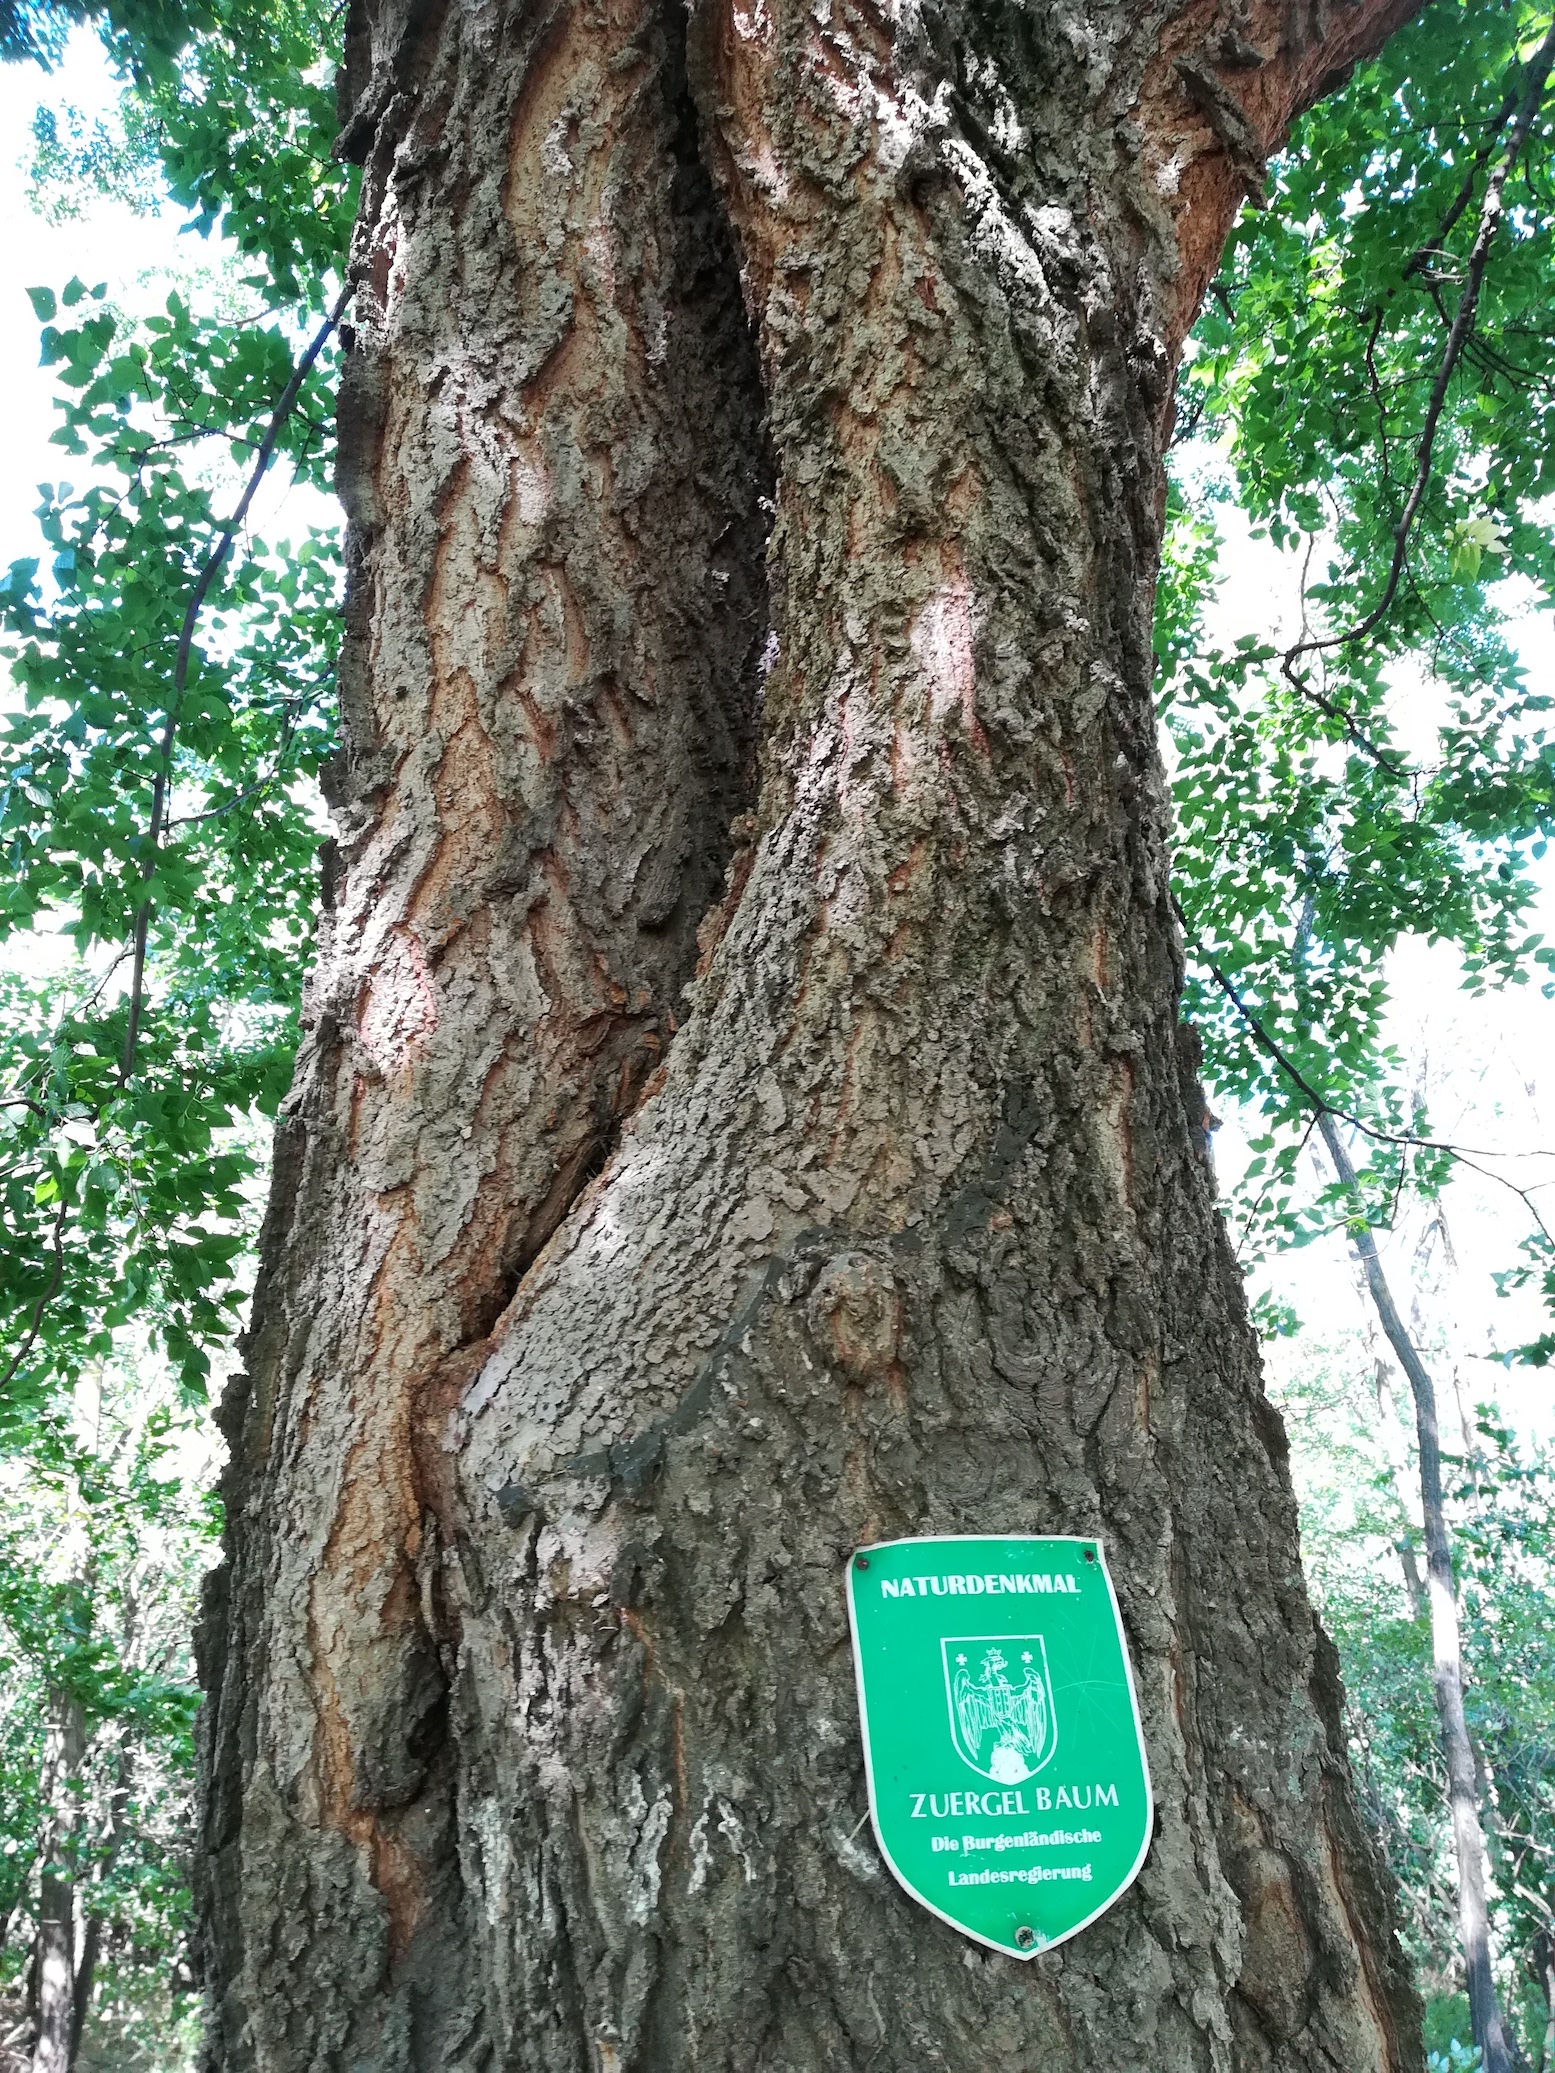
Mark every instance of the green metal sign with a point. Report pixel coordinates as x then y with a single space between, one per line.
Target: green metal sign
1006 1768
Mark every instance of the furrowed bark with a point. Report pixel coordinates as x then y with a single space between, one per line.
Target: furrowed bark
1446 1643
552 457
576 1368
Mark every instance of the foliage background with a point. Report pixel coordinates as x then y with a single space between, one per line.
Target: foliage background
129 1189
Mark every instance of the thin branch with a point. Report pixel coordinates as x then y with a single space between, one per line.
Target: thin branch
214 813
1330 1108
1251 1220
1374 382
1309 691
44 1299
1491 212
90 999
1465 1155
289 709
207 576
1436 244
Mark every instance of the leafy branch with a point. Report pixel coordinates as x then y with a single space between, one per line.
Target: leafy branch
50 1290
1322 1107
1491 211
209 570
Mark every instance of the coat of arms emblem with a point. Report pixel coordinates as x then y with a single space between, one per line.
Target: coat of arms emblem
1002 1718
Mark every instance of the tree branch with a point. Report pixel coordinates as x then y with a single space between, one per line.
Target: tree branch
1491 212
1434 246
1466 1155
207 576
43 1301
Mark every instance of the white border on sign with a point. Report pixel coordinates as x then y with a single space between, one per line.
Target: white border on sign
929 1540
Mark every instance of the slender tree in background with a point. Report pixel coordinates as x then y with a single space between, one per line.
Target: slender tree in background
1353 1465
101 1550
1446 1645
57 1958
751 433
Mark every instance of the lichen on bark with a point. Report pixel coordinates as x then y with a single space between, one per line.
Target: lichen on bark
752 440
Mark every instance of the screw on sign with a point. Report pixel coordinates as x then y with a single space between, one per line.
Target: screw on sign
1007 1778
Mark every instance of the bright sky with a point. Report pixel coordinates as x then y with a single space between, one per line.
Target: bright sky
139 258
109 244
1489 1064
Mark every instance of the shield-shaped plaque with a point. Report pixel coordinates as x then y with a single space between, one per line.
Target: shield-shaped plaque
1006 1768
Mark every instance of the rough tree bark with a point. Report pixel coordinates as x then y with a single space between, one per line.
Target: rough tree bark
752 441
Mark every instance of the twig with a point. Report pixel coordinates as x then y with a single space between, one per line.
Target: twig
44 1300
1251 1219
1309 692
207 576
1435 246
1374 382
1466 1155
212 813
1490 215
261 785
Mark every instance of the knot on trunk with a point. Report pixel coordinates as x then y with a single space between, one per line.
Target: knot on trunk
856 1314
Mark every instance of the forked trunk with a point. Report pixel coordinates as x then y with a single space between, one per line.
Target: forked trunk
787 384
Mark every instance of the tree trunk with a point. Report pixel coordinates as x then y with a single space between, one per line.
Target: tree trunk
55 1975
1463 1798
86 1980
752 439
1542 1964
54 1965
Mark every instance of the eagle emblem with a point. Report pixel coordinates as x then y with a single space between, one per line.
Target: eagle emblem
1001 1703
